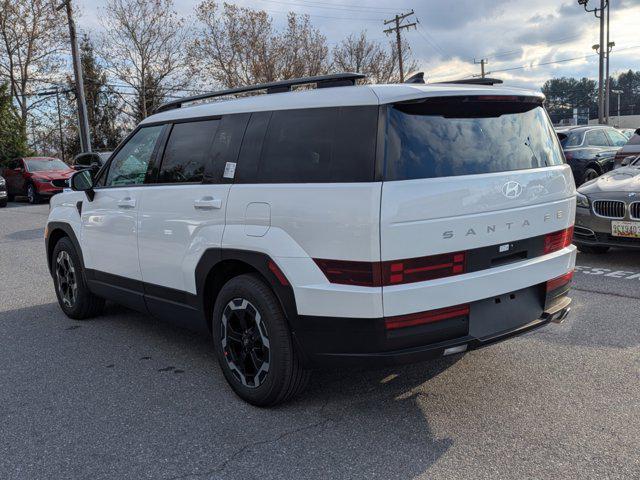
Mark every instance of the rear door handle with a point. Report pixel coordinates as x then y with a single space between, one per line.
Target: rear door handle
207 203
127 202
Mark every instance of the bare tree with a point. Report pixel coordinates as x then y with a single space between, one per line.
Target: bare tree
32 36
357 53
144 47
239 46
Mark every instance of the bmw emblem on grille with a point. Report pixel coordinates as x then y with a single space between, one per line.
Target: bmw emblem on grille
512 190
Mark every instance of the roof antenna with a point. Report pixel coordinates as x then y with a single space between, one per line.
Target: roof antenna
416 78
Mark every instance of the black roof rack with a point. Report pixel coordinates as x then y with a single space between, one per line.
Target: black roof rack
321 81
475 81
416 78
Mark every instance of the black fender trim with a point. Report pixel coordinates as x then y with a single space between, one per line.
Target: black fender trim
258 261
52 237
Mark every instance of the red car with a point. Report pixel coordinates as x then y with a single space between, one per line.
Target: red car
32 177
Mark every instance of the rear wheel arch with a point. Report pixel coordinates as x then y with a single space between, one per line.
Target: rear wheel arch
218 266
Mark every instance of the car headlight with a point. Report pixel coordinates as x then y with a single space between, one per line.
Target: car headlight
582 201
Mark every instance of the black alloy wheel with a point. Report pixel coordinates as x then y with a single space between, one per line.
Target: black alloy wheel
245 342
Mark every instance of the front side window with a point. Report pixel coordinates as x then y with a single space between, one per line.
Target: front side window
130 165
45 165
450 137
573 139
188 152
597 138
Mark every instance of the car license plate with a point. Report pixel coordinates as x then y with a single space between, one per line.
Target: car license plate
625 229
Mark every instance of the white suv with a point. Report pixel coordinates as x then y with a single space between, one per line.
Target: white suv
343 224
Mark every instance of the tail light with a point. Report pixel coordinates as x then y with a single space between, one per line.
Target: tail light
422 269
568 155
366 274
395 272
422 318
558 240
559 282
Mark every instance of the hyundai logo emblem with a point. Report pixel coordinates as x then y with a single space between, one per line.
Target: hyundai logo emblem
512 189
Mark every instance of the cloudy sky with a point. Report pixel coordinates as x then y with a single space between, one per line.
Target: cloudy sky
516 36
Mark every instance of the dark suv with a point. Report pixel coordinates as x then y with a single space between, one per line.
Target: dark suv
590 150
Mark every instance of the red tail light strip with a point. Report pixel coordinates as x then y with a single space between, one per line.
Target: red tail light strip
560 281
422 318
558 240
395 272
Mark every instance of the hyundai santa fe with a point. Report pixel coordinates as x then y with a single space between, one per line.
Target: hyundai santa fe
331 226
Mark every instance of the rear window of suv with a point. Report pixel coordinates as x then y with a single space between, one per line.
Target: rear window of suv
465 136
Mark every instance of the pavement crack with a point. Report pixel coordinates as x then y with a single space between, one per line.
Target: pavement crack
322 422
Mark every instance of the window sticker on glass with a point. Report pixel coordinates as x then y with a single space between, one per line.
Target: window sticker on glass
229 170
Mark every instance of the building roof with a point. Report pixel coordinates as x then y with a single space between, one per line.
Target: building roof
334 97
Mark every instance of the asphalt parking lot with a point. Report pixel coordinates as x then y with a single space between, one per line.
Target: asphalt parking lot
123 396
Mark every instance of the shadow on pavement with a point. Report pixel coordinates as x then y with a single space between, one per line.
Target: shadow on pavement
163 383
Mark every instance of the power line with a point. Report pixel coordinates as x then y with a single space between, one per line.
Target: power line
564 60
338 8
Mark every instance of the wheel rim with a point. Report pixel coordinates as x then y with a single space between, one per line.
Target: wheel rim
30 194
245 342
66 279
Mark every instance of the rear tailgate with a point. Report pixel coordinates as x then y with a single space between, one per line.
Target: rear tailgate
486 184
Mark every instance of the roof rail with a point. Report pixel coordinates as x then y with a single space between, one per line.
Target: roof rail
321 81
475 81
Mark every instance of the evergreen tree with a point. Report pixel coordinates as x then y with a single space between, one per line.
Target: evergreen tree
103 105
13 141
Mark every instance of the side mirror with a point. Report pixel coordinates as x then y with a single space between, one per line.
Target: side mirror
82 181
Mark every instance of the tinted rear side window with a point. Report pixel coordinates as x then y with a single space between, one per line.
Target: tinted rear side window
188 152
310 146
634 140
573 139
450 137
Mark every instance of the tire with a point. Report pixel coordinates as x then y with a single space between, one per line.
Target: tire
32 194
247 314
590 174
75 300
3 203
591 249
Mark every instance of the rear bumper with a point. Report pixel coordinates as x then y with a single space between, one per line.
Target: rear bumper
334 342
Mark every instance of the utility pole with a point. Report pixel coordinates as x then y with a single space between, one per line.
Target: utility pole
83 119
397 28
482 62
599 13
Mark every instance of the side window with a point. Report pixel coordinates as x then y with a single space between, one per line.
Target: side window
574 140
226 147
311 146
188 152
131 163
617 139
597 138
634 140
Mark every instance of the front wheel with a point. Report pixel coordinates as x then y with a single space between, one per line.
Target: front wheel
74 296
254 345
3 203
593 249
32 194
